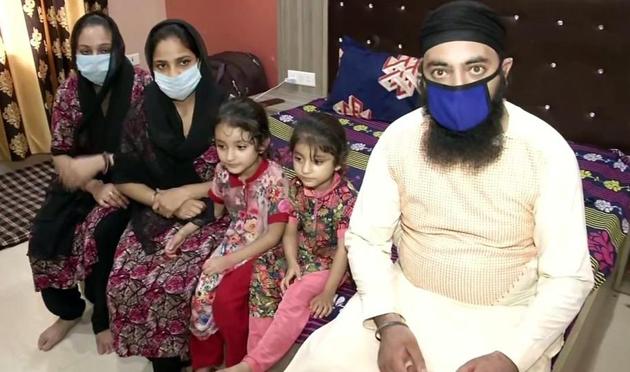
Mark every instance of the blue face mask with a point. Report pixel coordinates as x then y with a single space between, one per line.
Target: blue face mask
459 108
94 67
181 86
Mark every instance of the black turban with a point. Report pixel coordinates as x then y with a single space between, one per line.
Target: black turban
463 21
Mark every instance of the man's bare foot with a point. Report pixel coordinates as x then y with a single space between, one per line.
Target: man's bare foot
104 342
241 367
55 333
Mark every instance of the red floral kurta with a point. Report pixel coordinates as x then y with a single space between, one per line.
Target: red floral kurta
149 294
66 272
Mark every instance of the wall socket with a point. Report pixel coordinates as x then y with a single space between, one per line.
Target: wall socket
134 58
302 77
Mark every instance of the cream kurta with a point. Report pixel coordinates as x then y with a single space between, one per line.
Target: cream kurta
503 250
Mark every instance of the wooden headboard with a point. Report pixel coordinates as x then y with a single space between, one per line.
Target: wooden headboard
571 57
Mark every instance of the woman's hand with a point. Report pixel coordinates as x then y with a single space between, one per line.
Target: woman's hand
190 209
293 272
107 195
168 201
76 172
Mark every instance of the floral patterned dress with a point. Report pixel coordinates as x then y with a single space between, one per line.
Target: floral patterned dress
66 272
322 217
148 293
252 206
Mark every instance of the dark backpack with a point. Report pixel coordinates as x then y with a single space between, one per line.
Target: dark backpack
238 73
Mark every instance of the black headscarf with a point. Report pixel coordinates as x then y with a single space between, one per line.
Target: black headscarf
174 153
463 21
100 132
171 154
52 232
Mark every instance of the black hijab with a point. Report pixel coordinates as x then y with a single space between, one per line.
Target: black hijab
52 232
172 165
167 160
100 132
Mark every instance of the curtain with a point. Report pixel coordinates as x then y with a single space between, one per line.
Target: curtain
35 58
12 129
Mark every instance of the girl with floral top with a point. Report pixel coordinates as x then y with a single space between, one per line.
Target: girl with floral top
254 192
316 258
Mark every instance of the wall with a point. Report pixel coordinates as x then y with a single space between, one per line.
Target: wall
135 21
303 41
236 25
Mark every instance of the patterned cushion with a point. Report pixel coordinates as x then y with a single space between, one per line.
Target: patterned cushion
373 85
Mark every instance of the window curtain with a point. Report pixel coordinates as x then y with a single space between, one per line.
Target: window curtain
34 59
93 5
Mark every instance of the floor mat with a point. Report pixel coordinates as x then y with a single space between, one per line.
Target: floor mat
21 194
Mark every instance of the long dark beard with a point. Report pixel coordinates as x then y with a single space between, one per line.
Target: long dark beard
472 150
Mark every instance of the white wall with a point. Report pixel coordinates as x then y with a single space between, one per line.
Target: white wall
135 18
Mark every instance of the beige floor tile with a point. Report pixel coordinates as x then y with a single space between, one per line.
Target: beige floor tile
22 318
9 166
613 353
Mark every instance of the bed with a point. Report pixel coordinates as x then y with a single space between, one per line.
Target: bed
570 70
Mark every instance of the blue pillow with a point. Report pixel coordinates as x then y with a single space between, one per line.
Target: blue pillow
374 85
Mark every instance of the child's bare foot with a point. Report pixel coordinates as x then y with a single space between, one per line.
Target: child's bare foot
104 342
55 333
205 369
241 367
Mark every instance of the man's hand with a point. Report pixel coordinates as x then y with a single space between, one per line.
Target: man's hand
493 362
399 350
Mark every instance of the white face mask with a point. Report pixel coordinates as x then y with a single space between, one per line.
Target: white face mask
94 67
181 86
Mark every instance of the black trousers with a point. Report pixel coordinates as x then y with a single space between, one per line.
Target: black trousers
67 303
173 364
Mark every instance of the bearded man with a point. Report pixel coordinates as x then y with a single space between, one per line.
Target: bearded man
484 203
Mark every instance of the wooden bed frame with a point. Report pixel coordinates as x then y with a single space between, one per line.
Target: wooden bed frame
571 68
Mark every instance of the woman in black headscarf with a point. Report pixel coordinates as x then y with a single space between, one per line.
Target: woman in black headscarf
165 166
76 231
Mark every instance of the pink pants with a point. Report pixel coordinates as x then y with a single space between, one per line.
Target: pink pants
270 338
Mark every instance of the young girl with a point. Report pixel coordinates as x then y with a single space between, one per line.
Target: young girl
316 257
254 192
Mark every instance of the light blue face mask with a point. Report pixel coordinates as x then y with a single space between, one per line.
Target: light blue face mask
181 86
94 67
